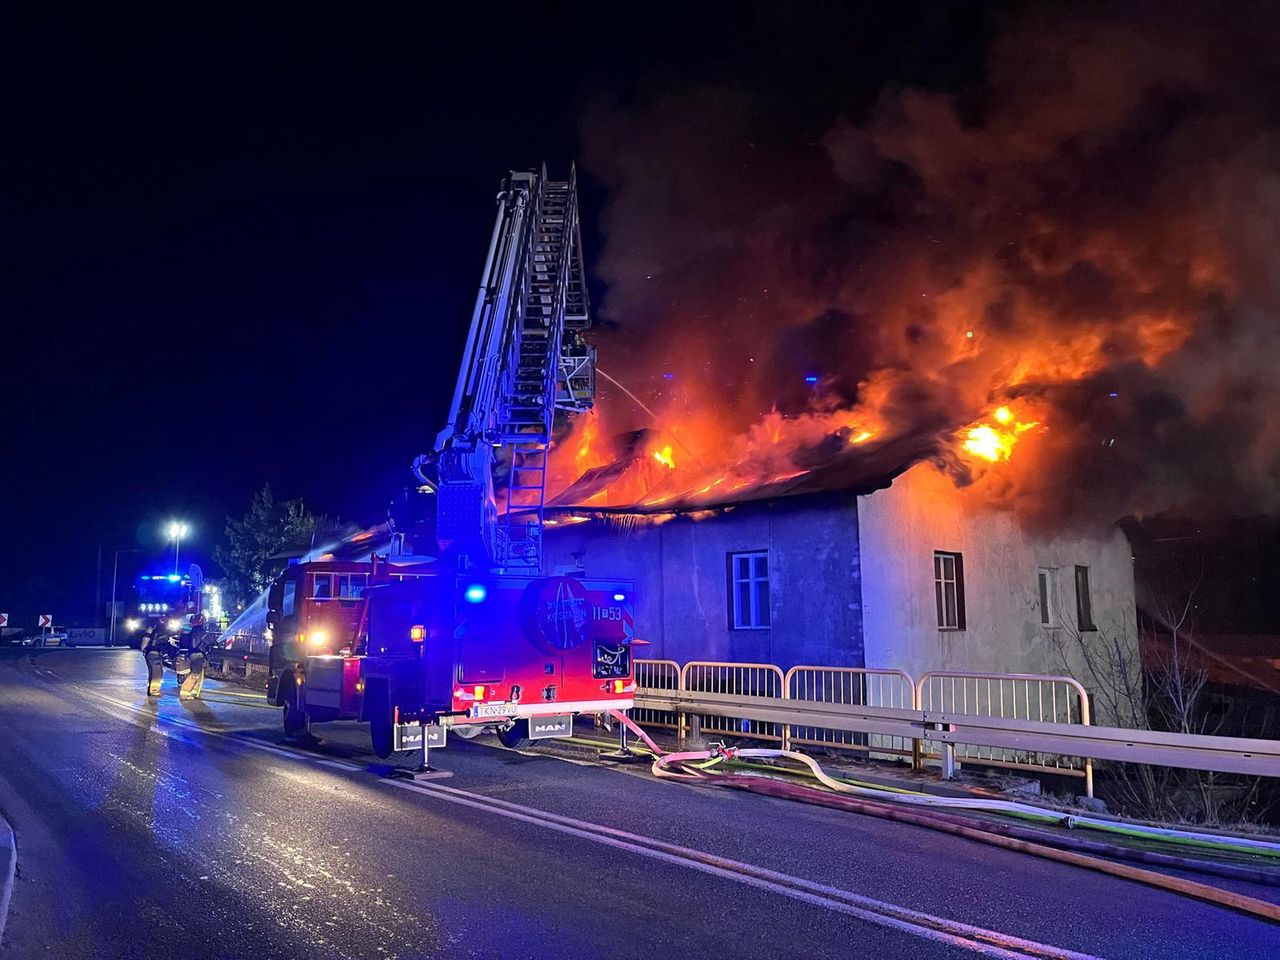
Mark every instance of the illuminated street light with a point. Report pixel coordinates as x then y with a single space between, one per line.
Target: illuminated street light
177 530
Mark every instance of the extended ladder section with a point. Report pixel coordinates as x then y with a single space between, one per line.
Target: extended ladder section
525 360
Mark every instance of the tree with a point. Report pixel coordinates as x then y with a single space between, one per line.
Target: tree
1154 682
259 545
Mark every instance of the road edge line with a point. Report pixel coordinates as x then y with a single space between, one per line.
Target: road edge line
7 871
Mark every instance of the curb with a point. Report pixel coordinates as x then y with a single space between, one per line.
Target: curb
8 867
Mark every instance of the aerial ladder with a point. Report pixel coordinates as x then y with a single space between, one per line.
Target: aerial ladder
479 638
524 360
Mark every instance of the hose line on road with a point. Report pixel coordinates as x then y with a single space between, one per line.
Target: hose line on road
889 805
1243 845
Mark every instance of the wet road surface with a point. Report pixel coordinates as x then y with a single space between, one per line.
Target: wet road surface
167 829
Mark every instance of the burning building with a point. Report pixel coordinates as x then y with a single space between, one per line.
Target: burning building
874 559
891 365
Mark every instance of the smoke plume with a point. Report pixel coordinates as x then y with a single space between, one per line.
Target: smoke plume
1088 239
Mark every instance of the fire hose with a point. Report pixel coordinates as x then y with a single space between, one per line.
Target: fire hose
888 804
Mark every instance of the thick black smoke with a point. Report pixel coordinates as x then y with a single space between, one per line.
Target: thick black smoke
1091 233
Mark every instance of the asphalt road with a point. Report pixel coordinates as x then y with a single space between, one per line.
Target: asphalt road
189 830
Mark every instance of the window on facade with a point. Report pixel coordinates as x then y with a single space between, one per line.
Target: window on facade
948 589
1084 600
322 586
351 585
1047 579
749 590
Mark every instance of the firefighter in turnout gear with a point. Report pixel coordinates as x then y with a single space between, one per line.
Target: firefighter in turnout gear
179 645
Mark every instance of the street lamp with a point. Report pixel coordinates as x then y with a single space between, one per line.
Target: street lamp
177 531
115 571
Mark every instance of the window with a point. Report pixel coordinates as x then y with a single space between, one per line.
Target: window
290 596
1047 578
351 585
948 589
322 586
749 590
1084 602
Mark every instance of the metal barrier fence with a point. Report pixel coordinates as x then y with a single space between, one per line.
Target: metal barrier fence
738 679
657 675
1014 696
891 693
852 686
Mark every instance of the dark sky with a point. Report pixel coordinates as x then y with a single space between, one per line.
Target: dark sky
243 247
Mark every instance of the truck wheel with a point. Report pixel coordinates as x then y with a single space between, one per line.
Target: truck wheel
294 713
377 707
516 736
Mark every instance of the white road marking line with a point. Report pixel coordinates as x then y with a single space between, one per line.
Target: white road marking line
913 922
918 923
336 764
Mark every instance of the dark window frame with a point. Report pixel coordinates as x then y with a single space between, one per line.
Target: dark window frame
343 582
1084 600
315 583
940 582
763 604
1047 594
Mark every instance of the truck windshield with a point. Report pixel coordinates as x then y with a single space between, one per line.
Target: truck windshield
162 590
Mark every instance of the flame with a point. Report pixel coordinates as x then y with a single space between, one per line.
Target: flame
995 442
666 457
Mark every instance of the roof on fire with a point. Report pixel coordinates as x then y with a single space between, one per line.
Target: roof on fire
858 470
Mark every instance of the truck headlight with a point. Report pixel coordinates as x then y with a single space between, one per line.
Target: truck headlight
131 625
175 624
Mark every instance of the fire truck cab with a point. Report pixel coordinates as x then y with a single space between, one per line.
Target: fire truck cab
319 607
518 655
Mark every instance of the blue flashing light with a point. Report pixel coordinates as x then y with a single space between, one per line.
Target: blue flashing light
1113 394
811 379
668 376
174 578
475 593
619 597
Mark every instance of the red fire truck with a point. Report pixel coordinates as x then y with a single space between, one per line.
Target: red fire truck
520 655
478 636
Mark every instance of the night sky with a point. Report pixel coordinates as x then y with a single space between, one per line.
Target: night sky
243 248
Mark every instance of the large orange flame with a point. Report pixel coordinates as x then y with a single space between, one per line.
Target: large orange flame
995 441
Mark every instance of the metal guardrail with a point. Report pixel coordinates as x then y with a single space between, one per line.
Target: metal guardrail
851 686
1048 699
1043 722
741 680
863 709
657 675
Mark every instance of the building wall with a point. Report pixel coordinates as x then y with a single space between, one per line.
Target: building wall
681 571
903 525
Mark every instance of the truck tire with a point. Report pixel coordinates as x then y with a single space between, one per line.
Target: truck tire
377 707
516 736
294 712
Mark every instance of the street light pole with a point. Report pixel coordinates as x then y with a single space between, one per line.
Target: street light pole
115 571
176 532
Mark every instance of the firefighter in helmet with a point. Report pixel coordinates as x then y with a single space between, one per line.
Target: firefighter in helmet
179 645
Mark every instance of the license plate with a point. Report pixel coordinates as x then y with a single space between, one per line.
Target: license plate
493 710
